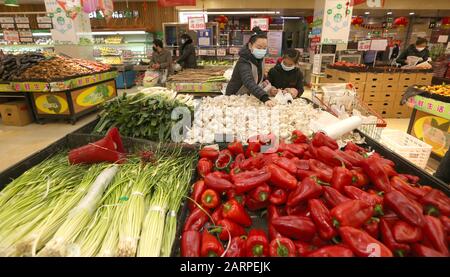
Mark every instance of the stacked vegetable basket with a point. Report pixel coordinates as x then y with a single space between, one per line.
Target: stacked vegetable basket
317 201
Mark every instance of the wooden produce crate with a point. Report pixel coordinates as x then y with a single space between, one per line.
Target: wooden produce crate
424 78
375 78
407 79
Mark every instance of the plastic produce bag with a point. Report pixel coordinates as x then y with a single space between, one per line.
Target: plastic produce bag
151 78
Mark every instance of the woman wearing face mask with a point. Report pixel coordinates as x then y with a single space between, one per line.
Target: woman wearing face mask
248 74
286 76
187 57
161 59
419 49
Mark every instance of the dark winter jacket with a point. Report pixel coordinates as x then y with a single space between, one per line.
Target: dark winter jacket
187 57
412 51
282 79
243 76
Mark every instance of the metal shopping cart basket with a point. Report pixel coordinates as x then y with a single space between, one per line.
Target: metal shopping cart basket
373 123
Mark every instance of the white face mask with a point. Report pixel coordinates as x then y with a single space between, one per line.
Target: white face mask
287 68
420 48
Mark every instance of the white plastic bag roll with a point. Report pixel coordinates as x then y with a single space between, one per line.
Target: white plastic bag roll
342 127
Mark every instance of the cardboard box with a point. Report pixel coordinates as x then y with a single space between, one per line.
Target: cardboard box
385 109
360 89
407 79
374 86
375 78
353 77
390 87
15 113
402 88
372 95
391 78
387 96
424 79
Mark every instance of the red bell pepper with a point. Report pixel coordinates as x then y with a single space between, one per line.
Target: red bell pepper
320 139
223 162
353 147
351 156
399 249
373 199
334 251
272 212
211 246
302 174
236 165
235 212
307 189
298 137
209 153
281 178
257 161
196 220
286 154
286 164
435 233
404 207
438 200
304 248
282 247
278 197
374 169
213 181
223 175
421 250
190 244
352 213
300 164
249 180
318 241
296 149
217 214
402 186
360 179
409 178
295 227
236 148
445 220
229 229
333 197
323 171
322 218
362 244
253 148
372 227
331 157
389 170
197 190
261 193
237 247
257 244
210 199
299 210
255 205
342 177
406 233
239 197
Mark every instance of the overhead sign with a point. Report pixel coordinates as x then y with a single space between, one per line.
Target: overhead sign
336 21
262 23
196 23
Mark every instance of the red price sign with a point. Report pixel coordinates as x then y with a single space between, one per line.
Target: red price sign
196 23
262 23
364 45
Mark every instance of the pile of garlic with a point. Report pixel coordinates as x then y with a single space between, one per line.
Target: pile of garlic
225 118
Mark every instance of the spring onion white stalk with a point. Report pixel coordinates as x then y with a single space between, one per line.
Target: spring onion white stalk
79 217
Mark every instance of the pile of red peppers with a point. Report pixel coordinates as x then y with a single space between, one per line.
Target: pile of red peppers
317 200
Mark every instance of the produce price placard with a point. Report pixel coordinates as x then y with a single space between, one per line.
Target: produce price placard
8 26
364 45
196 23
43 19
44 26
23 26
6 20
11 36
22 19
25 34
221 52
234 50
26 39
262 23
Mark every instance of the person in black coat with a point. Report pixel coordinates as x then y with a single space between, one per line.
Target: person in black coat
248 73
395 51
187 58
286 75
419 49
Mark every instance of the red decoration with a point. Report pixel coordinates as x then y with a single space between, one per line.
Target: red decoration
358 20
221 19
309 19
446 21
401 21
173 3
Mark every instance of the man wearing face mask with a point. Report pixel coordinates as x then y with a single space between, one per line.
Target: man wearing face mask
248 74
187 58
161 59
286 76
419 49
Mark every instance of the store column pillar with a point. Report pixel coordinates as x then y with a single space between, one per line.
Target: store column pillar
71 31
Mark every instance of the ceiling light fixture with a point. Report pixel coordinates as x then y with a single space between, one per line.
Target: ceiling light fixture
367 13
389 13
412 13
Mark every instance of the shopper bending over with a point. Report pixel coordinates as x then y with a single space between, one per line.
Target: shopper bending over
286 76
161 59
187 58
419 49
248 74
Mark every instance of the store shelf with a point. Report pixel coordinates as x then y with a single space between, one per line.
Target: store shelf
21 46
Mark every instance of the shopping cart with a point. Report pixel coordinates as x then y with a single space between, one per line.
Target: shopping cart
373 123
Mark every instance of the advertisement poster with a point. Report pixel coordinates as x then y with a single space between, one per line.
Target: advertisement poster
262 23
336 22
432 130
275 41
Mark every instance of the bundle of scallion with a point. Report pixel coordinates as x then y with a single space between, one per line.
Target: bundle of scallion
79 216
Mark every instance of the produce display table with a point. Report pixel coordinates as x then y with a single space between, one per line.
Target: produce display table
68 99
6 91
430 122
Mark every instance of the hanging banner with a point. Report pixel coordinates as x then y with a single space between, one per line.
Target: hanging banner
337 17
262 23
196 23
173 3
